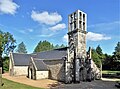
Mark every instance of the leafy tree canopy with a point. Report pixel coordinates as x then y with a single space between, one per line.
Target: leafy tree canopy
21 48
45 46
7 44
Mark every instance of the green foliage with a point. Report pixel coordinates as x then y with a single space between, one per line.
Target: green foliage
14 85
99 50
6 63
110 72
95 57
21 48
56 46
112 62
116 54
43 46
62 46
7 43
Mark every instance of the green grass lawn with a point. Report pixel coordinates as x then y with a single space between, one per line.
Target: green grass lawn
13 85
109 72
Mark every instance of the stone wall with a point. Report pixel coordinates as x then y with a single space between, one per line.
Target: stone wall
42 74
96 70
20 70
56 69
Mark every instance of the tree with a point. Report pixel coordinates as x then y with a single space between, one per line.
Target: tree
95 57
7 44
62 46
116 54
99 50
56 46
43 46
21 48
115 59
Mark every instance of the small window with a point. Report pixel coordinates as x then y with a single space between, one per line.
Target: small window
80 15
80 24
71 18
83 17
83 26
74 24
75 16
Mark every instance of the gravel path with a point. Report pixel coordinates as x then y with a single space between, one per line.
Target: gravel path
97 84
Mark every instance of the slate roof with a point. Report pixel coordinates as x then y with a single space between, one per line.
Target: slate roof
41 66
52 54
21 59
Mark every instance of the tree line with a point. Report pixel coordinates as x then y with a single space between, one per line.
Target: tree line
8 44
109 62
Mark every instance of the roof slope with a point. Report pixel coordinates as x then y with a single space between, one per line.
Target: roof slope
41 66
52 54
21 59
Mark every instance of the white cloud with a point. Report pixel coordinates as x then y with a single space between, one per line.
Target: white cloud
46 18
96 36
105 24
58 27
22 31
30 30
65 38
47 35
26 31
8 7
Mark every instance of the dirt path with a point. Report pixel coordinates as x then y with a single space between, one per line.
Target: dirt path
45 83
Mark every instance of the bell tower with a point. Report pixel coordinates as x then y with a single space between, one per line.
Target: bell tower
77 25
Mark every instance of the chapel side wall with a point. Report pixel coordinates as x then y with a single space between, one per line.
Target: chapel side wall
56 69
42 74
20 70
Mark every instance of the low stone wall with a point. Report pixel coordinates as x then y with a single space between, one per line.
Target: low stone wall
56 69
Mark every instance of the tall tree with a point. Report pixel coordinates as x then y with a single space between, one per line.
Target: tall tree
21 48
7 44
96 58
99 50
43 46
116 54
56 46
62 46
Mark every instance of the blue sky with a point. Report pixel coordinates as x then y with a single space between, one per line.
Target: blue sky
33 20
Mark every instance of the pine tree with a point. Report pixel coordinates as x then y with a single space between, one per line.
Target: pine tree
116 54
99 50
21 48
95 57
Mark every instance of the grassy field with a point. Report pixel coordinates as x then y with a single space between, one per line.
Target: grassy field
13 85
109 72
